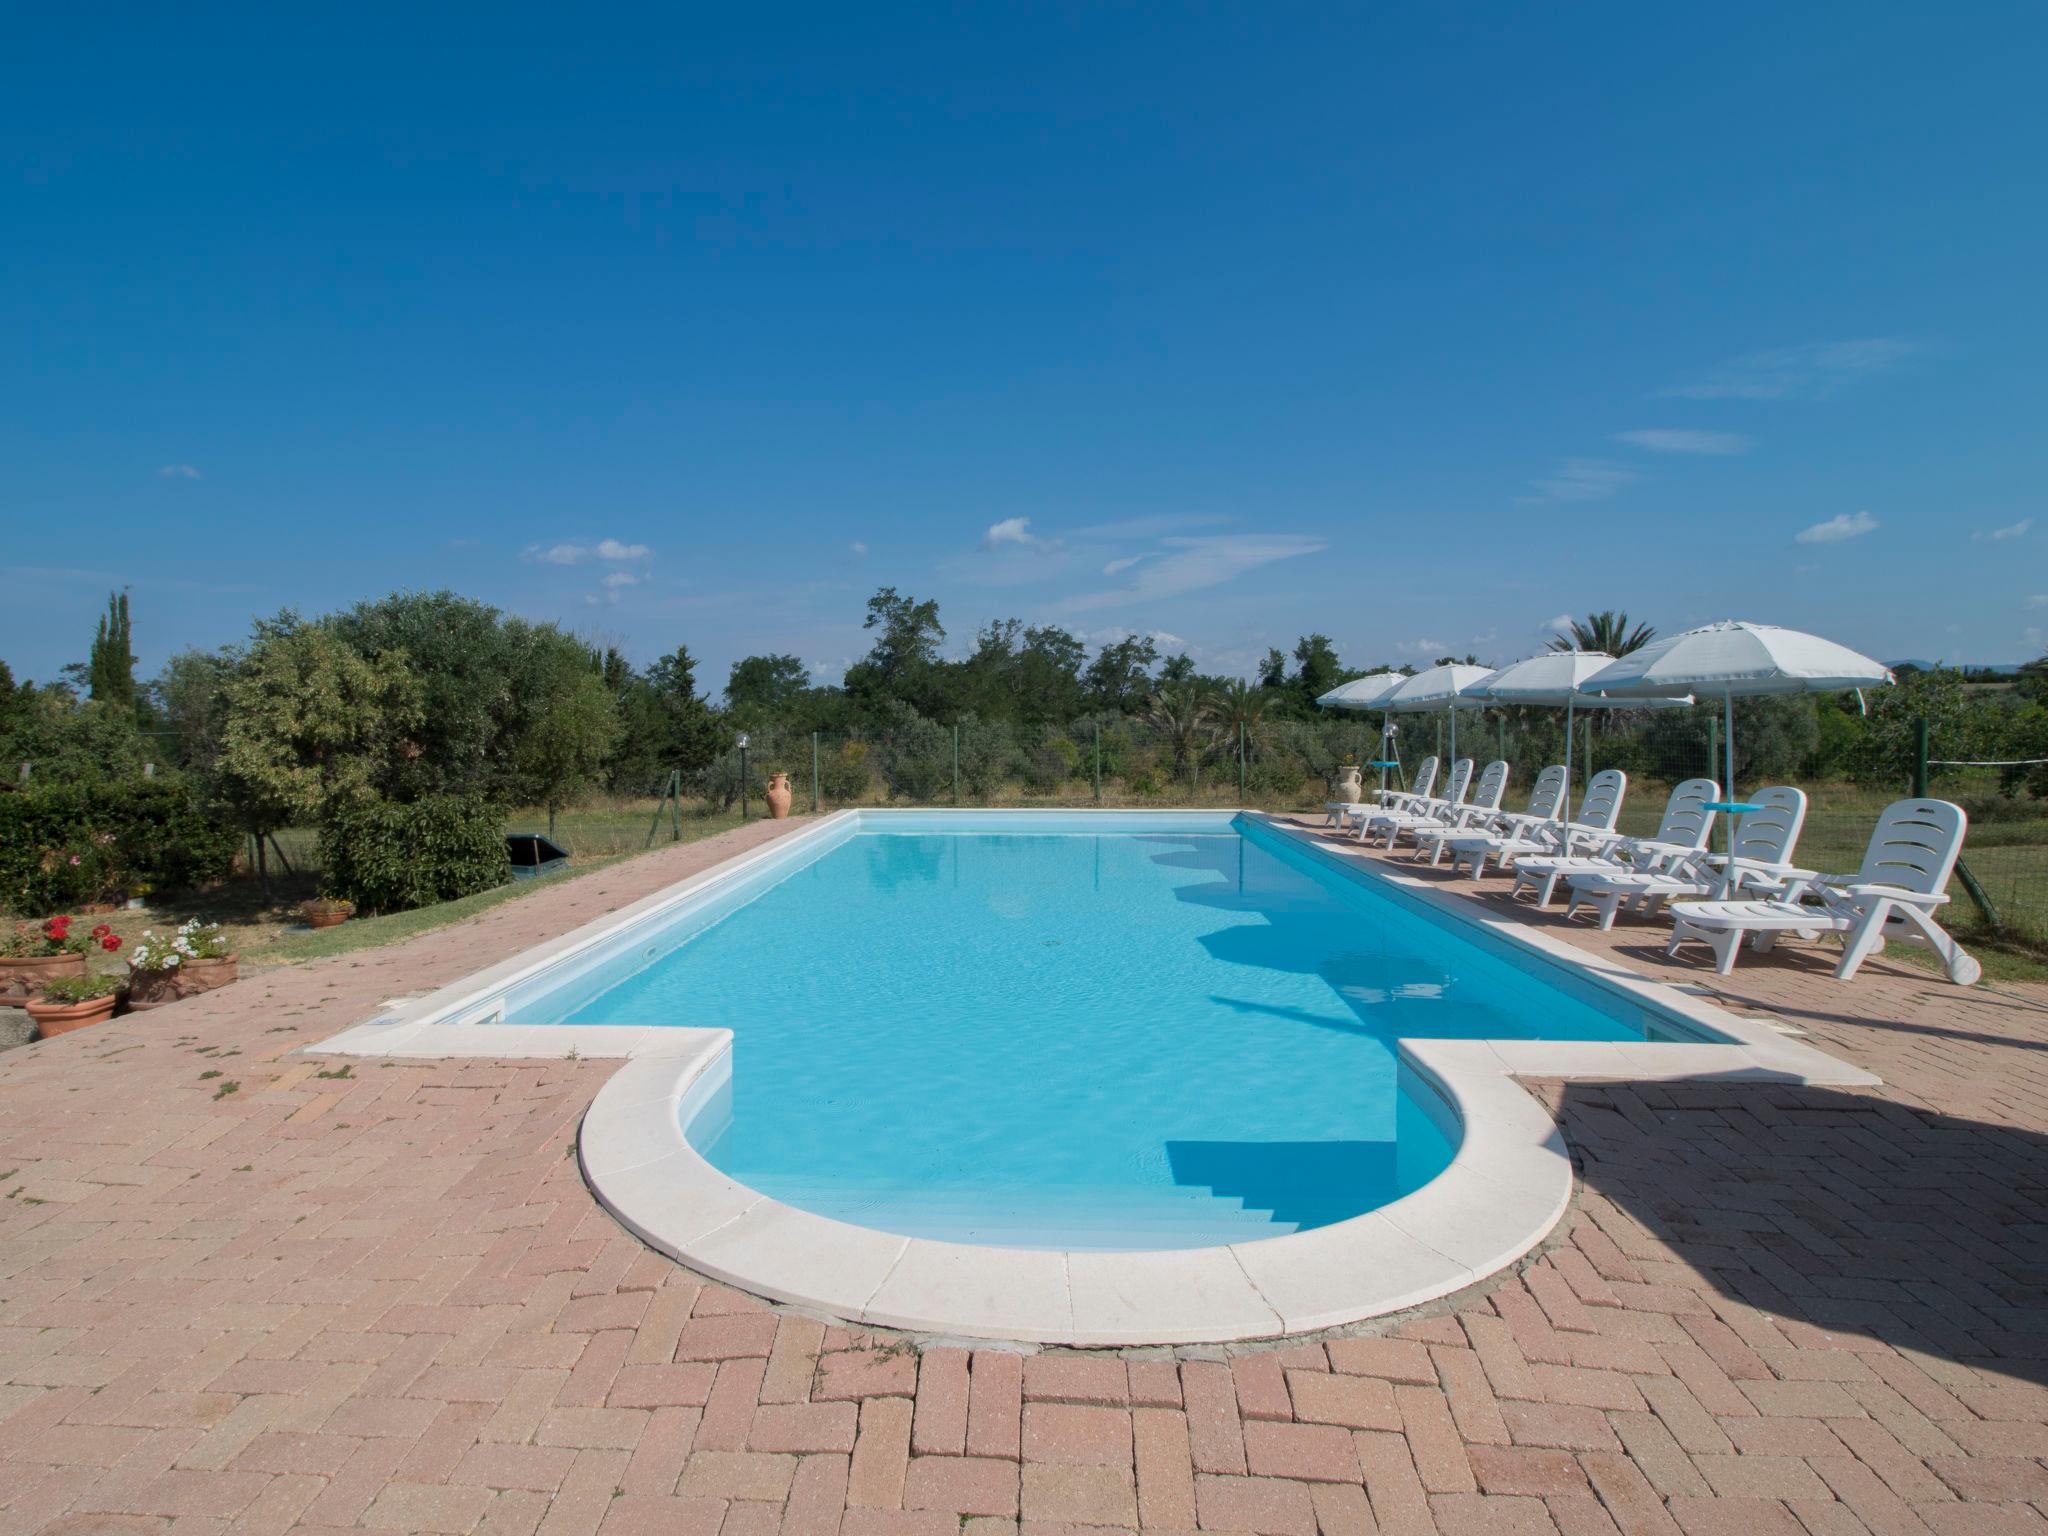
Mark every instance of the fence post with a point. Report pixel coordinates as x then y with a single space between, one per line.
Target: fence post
814 773
956 766
1240 762
1098 759
1965 877
743 778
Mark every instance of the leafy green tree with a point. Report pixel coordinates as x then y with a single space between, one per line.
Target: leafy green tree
902 665
68 740
309 723
764 688
567 734
111 671
1119 679
1316 668
1273 670
687 732
1239 707
465 659
1608 631
1177 669
187 698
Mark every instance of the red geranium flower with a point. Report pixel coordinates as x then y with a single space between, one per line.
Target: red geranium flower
102 931
111 942
58 928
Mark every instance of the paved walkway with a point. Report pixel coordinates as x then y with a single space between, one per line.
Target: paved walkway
240 1293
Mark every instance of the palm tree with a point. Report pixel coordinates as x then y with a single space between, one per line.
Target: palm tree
1606 631
1185 714
1240 707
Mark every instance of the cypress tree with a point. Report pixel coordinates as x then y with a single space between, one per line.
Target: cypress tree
112 670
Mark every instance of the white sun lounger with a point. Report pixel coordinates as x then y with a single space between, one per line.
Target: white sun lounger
1543 801
1592 828
1477 810
1344 812
1388 824
1904 879
1681 831
1764 841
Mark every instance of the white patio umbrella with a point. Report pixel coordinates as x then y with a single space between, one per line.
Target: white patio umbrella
1367 693
1737 657
1557 679
1440 688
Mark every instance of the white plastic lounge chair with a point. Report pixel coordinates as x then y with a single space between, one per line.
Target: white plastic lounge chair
1388 824
1543 801
1681 831
1764 841
1894 895
1478 809
1345 812
1591 829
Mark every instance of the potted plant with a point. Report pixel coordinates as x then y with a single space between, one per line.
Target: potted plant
33 953
326 911
778 794
161 969
72 1002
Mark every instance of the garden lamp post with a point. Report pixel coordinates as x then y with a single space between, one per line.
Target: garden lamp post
743 775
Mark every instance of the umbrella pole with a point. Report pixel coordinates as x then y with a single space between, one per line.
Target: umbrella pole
1454 741
1728 758
1565 800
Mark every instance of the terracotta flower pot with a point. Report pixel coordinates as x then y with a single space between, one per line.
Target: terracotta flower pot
151 989
778 795
22 976
61 1018
196 976
325 914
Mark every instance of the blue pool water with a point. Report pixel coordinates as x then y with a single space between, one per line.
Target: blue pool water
1137 1035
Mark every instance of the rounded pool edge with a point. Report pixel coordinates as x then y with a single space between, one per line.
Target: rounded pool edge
1506 1187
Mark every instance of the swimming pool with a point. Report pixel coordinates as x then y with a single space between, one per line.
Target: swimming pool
1192 1020
1094 1032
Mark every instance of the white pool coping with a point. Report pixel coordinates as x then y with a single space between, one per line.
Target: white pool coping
1507 1185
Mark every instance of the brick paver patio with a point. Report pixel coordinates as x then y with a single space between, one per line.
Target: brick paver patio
246 1292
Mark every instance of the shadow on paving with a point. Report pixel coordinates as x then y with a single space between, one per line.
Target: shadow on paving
1858 1216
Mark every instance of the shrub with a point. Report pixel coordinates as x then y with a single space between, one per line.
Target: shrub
844 776
389 857
985 752
1051 763
917 756
62 844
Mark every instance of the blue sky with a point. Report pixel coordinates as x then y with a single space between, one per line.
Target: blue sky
1420 326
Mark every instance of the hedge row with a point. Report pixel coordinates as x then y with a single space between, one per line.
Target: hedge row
65 844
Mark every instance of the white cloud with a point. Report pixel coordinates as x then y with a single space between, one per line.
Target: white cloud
1811 371
2016 530
858 547
1843 525
1431 648
1557 626
2038 600
618 579
1162 637
1011 531
1152 527
179 472
1121 565
1685 440
1192 564
1581 480
577 554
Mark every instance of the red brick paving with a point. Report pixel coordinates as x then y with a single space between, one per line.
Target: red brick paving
386 1302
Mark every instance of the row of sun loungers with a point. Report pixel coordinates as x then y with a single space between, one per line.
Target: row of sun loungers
1754 892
